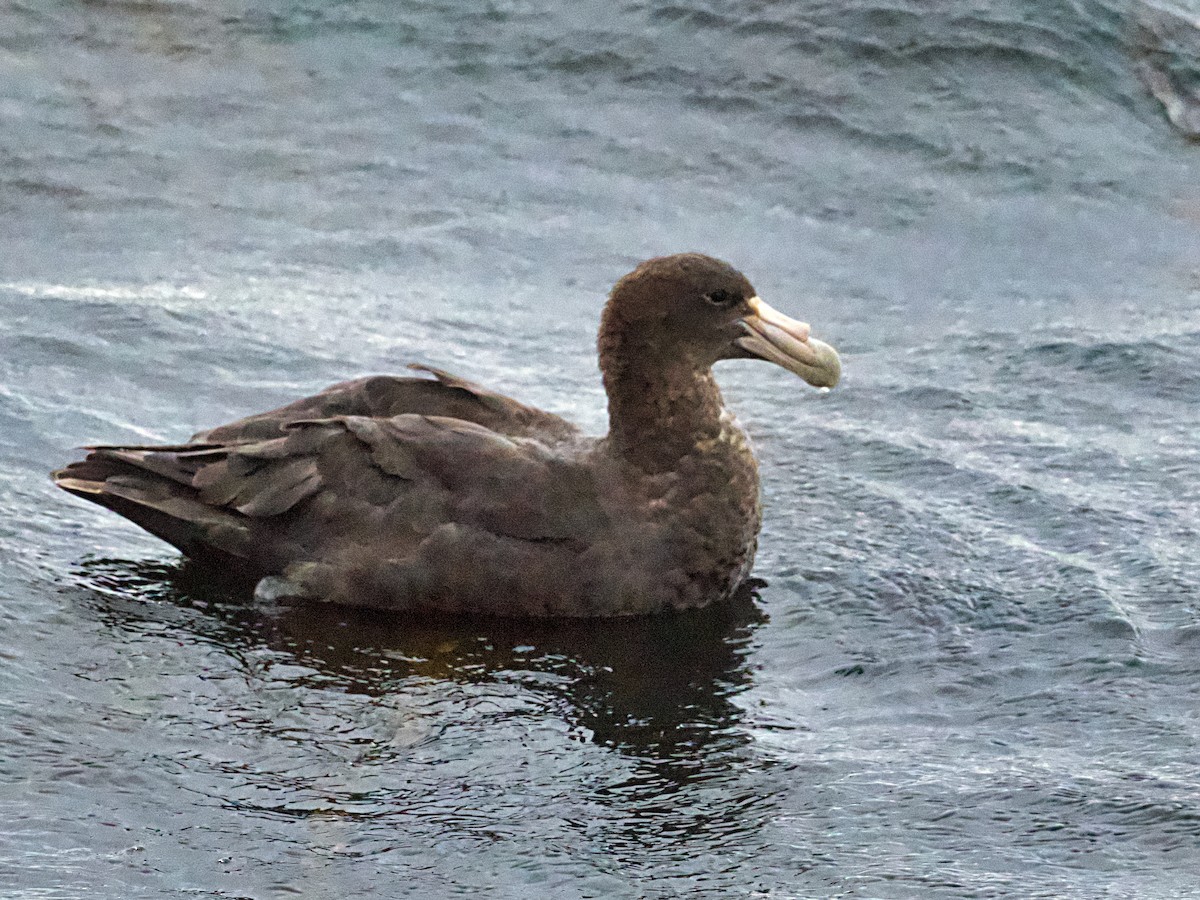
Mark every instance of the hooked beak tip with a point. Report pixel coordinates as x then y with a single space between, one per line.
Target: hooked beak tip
789 343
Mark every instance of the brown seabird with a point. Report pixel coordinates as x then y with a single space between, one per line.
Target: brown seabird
417 493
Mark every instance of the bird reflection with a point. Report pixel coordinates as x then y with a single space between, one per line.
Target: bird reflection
659 689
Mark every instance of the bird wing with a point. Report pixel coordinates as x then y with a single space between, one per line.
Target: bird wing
368 490
436 467
385 396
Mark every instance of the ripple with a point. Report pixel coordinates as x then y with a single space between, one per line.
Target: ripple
1151 366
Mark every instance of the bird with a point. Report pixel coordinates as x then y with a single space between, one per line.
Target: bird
429 493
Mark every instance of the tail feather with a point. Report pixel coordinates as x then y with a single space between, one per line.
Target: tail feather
142 486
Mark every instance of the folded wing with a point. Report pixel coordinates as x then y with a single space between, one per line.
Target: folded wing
385 505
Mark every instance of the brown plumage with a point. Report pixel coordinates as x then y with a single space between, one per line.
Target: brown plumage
434 493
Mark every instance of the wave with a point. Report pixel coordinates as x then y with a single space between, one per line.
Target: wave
1151 366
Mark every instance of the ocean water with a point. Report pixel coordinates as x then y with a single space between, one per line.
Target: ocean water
971 666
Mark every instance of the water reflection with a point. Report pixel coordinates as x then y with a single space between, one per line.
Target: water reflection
659 689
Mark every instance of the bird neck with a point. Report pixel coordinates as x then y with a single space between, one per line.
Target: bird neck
659 410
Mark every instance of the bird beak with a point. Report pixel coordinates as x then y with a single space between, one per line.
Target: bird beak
777 338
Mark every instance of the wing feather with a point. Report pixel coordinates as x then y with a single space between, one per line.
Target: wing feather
409 474
387 396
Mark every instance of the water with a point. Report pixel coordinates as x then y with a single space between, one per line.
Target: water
972 669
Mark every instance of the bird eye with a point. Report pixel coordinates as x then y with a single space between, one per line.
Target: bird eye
722 297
